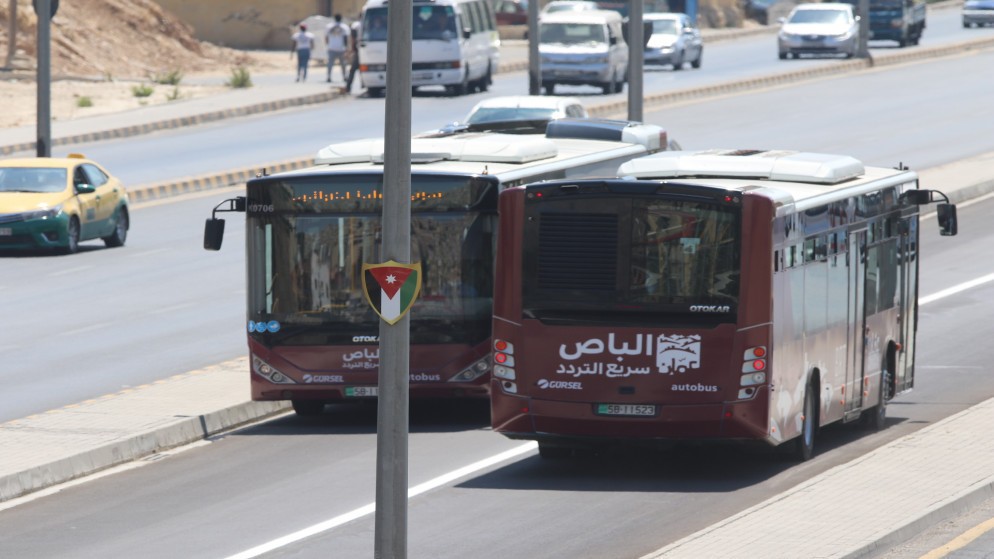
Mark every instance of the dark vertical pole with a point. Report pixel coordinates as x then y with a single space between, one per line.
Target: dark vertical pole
392 401
636 58
534 62
863 11
44 113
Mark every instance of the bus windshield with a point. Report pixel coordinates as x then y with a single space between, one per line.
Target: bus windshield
630 255
306 253
430 22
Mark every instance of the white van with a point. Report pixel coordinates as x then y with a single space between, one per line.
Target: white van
454 44
583 48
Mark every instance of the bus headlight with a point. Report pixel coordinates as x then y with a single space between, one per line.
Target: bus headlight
269 372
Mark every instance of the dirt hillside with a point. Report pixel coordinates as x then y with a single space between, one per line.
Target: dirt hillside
103 49
115 39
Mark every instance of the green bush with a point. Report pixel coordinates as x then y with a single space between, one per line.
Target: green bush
173 77
240 78
142 90
84 101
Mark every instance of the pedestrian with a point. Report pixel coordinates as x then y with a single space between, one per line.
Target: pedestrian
336 37
303 42
354 33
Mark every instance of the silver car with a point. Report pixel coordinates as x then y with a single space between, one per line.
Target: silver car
978 13
674 40
828 28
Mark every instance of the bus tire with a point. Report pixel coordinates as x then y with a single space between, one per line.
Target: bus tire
375 91
804 445
306 408
549 87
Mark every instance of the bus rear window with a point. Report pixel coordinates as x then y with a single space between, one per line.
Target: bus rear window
631 254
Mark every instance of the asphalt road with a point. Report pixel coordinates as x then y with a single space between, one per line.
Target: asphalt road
162 302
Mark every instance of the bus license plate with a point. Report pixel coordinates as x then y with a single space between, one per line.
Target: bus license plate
360 391
642 410
6 231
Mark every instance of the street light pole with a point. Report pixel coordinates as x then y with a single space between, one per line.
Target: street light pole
534 62
44 79
636 59
394 379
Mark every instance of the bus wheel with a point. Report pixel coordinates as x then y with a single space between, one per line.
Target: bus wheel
307 407
550 88
375 91
552 452
804 446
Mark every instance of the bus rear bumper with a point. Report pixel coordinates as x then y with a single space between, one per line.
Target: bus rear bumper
577 421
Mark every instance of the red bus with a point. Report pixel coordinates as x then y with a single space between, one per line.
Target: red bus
738 295
313 338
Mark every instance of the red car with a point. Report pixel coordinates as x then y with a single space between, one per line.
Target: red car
511 12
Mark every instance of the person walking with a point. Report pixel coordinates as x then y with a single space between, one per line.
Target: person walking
303 43
354 32
336 37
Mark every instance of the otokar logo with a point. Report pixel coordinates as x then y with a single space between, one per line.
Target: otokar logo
710 308
358 339
561 384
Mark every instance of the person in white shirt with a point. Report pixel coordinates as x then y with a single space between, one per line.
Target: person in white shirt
303 42
336 36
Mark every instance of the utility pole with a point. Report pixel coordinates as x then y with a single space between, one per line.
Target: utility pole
44 114
395 340
534 62
863 13
636 59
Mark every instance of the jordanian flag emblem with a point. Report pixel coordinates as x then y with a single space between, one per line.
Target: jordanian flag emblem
391 288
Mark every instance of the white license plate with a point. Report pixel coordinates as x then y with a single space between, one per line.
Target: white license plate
641 410
6 231
425 76
360 391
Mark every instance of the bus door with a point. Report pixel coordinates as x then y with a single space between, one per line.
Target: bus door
855 354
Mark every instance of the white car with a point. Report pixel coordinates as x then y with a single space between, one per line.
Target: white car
674 40
826 28
568 6
525 107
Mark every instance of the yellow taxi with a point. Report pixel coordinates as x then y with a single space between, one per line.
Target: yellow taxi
58 202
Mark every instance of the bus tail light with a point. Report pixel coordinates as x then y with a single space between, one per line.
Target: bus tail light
753 371
474 371
504 365
269 372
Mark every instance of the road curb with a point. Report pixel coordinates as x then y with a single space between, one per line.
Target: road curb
141 445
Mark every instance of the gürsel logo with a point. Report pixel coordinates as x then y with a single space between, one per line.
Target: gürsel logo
545 384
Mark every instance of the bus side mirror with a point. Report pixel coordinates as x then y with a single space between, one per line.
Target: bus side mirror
947 219
467 32
213 233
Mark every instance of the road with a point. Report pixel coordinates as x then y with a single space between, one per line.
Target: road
271 480
266 482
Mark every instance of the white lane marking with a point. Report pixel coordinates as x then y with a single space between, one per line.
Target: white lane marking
148 252
370 508
172 308
956 289
68 271
87 328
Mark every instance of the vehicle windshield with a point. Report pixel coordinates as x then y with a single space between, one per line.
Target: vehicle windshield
664 27
32 179
501 114
305 259
818 16
571 6
571 33
430 22
645 255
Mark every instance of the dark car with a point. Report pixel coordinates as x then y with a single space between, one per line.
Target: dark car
758 10
511 12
